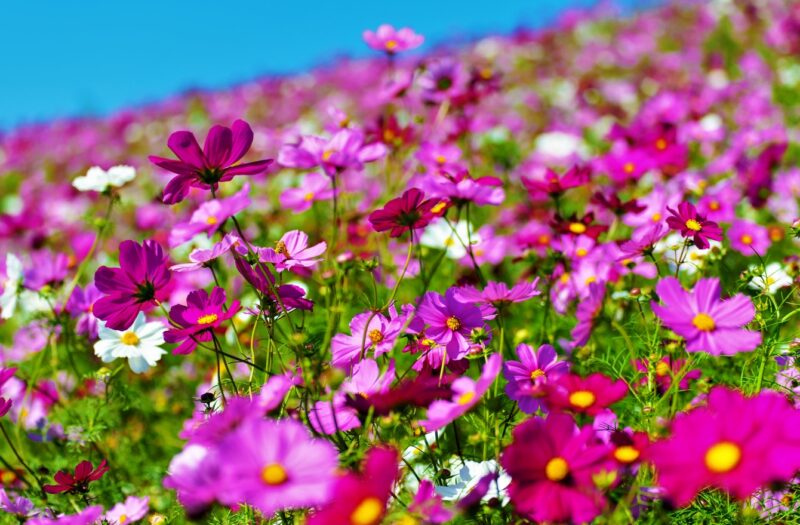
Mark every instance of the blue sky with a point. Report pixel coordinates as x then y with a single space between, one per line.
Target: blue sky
91 57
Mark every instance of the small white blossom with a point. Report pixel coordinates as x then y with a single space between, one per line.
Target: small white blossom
98 179
772 278
11 287
140 344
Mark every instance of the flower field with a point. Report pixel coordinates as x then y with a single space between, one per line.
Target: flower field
548 277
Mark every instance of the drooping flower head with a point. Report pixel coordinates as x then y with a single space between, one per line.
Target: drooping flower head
693 225
216 162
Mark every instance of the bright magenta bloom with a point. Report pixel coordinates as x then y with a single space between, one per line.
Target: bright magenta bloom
691 224
408 212
551 465
391 40
588 395
138 284
734 443
528 376
202 314
293 251
708 323
78 482
749 238
451 321
216 162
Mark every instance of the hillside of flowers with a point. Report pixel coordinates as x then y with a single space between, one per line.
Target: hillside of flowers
541 278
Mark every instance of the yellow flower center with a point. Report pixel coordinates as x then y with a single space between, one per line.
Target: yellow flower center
368 512
207 319
694 225
714 205
453 323
723 457
543 240
537 374
391 44
375 336
656 217
703 322
309 196
122 519
747 239
626 454
441 159
327 154
466 398
661 144
662 369
274 474
581 252
556 469
211 221
280 247
439 206
591 279
577 227
582 399
129 338
628 168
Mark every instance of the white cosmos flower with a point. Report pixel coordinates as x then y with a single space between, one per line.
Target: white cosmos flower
772 278
439 235
98 179
12 286
139 344
469 474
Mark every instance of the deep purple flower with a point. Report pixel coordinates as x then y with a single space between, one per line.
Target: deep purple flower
691 224
408 212
215 163
201 315
81 307
138 284
528 376
79 481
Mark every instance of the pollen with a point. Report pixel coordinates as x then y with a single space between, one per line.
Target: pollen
656 217
723 457
129 338
308 197
274 474
661 144
391 45
122 519
694 225
556 469
581 252
453 323
536 374
327 154
441 159
577 227
439 206
207 319
662 369
368 512
629 167
375 335
466 398
582 399
211 221
626 454
280 247
703 322
543 240
747 239
714 205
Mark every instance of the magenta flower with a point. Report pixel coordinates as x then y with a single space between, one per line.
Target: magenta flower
209 217
277 466
588 311
438 157
79 481
549 182
498 293
215 163
528 376
315 187
408 212
391 40
691 224
551 465
427 505
202 314
379 336
708 323
749 238
444 78
276 299
466 394
47 269
81 306
87 516
138 284
450 321
346 149
201 257
293 251
586 395
129 511
734 443
461 188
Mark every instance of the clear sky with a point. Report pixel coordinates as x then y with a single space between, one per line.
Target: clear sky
90 57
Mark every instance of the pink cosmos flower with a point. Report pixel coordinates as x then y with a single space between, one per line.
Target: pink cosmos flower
80 306
275 299
427 505
749 238
293 251
450 321
201 257
379 336
585 395
498 293
528 376
734 443
588 311
550 183
408 212
46 269
209 217
315 187
691 224
437 157
466 394
459 187
129 511
443 78
138 284
391 40
87 516
215 163
551 465
202 314
346 149
360 499
277 466
708 323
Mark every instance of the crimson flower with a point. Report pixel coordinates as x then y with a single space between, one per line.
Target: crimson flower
691 224
408 212
79 482
216 162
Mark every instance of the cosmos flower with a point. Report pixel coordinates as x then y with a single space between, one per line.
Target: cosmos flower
692 225
734 443
20 507
345 149
708 323
194 323
79 481
98 179
140 344
277 466
201 257
467 478
315 187
391 40
466 394
550 183
87 516
552 464
293 251
379 336
131 510
138 284
748 238
498 293
770 279
80 306
450 321
408 212
427 505
209 217
528 376
215 163
586 395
